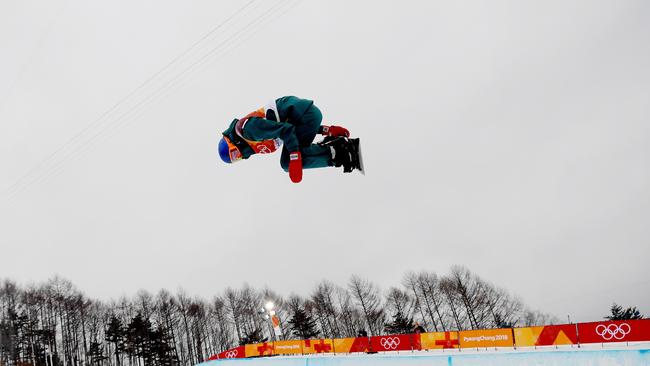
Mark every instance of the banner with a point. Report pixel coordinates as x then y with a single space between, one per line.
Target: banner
238 352
276 324
287 347
615 331
310 346
549 335
398 342
351 345
259 349
486 338
439 340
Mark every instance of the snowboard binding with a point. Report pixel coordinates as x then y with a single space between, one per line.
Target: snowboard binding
345 152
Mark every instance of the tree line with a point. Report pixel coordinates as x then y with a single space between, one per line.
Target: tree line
55 324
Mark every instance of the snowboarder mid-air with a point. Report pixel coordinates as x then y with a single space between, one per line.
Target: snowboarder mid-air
294 122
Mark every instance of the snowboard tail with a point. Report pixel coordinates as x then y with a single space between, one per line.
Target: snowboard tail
359 157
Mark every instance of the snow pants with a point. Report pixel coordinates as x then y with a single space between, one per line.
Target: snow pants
313 155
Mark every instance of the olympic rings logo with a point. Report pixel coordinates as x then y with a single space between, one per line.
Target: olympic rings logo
613 331
389 342
231 354
264 150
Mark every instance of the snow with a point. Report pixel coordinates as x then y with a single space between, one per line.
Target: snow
592 355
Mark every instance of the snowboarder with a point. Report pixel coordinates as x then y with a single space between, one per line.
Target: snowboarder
294 122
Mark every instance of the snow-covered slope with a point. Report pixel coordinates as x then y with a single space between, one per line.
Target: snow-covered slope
628 356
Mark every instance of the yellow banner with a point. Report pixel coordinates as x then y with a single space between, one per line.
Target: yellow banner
486 338
287 347
527 337
259 349
439 340
343 345
317 346
350 345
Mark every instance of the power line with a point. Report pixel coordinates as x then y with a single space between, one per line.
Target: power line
126 98
169 86
16 185
119 121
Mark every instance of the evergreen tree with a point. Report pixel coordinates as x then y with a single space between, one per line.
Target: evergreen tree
399 325
160 347
96 353
115 335
618 313
138 339
303 325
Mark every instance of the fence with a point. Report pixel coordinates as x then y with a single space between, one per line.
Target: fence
548 335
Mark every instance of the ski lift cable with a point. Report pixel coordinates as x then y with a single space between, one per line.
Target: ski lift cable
158 94
148 81
58 167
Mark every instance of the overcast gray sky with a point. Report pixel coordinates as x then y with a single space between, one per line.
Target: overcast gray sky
512 137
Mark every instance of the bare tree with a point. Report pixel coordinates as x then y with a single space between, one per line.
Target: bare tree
55 324
367 296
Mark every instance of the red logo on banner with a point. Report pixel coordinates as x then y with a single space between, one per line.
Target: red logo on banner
447 342
322 347
264 347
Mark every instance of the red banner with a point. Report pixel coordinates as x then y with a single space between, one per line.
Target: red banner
231 353
398 342
615 331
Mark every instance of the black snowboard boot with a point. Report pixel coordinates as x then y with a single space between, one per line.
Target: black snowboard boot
343 152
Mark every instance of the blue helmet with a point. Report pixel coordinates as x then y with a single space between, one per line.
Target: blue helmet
228 151
224 151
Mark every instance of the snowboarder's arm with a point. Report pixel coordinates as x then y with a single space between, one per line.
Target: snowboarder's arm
259 129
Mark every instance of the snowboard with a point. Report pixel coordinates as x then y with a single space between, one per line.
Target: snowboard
357 145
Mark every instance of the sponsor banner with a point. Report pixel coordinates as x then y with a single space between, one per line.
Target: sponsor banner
615 331
486 338
351 345
439 340
259 349
549 335
397 342
238 352
317 346
287 347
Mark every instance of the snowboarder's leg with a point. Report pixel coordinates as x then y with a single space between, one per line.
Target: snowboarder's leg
313 156
333 151
308 126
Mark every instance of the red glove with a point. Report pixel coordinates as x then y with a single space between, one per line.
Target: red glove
295 166
335 131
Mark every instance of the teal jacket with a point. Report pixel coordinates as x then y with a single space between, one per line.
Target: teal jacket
291 110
